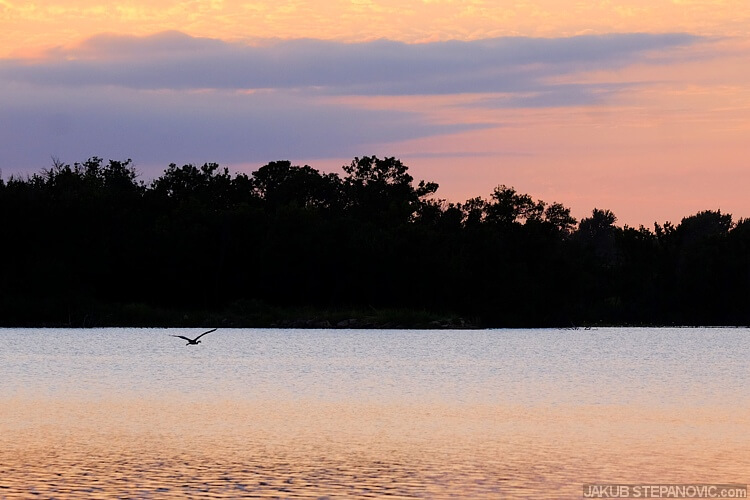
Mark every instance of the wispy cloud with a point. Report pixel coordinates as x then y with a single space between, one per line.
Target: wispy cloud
161 127
173 97
173 60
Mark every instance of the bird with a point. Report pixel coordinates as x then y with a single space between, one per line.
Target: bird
195 341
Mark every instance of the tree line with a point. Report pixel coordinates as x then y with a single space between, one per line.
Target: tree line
93 242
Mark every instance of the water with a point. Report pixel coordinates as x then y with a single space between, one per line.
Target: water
356 413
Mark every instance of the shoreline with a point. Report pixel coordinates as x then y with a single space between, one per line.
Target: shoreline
252 313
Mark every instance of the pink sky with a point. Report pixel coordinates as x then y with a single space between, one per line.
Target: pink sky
641 107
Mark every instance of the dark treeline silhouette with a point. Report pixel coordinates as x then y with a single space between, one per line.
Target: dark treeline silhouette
90 243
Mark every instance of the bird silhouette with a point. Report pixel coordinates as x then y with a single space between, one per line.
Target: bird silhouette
194 341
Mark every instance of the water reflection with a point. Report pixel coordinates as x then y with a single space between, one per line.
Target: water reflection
511 414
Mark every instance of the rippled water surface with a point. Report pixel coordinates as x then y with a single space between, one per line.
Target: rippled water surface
135 413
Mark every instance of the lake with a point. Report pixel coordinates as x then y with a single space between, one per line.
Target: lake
369 413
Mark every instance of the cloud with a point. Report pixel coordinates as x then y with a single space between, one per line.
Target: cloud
157 127
173 60
173 97
555 96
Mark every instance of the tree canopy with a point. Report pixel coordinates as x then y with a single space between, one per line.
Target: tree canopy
84 241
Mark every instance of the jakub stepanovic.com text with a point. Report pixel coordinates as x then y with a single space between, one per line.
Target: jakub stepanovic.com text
665 491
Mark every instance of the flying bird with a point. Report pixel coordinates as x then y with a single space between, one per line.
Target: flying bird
194 341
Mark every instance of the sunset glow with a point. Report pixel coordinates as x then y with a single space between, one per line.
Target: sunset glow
638 106
434 450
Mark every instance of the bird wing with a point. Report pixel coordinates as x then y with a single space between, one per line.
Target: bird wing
204 333
183 337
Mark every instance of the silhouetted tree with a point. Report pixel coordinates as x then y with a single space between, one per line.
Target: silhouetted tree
559 217
507 207
597 233
87 240
280 184
381 190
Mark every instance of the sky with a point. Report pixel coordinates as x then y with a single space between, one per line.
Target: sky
637 106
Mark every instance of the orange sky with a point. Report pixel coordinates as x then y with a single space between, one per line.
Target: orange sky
669 140
54 22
